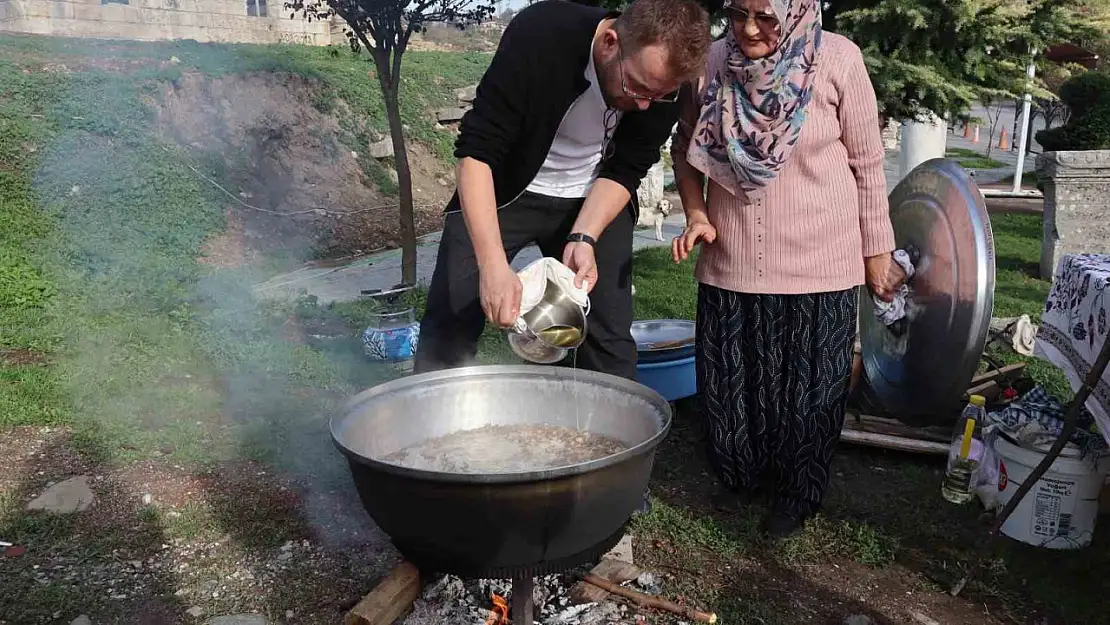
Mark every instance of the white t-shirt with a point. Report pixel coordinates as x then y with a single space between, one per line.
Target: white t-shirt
573 161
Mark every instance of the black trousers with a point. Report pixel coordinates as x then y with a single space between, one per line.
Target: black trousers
453 320
773 372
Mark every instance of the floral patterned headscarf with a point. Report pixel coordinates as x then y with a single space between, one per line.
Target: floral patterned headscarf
753 109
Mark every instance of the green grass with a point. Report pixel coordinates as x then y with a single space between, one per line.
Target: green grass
970 159
100 226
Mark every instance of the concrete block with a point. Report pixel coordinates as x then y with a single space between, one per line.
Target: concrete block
1076 205
450 115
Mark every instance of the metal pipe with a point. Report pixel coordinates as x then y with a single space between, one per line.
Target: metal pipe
1023 137
522 603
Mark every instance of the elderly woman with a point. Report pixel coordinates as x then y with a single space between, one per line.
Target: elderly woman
794 218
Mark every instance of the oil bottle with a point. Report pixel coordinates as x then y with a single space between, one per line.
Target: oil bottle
965 453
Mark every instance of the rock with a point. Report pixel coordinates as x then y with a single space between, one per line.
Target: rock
450 115
238 619
923 619
174 60
195 611
285 555
381 149
467 94
148 499
72 495
858 619
81 620
623 550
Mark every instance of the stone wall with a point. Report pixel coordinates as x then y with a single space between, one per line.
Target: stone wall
1076 205
228 21
7 15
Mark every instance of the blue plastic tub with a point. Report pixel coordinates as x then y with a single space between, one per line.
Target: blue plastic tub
673 379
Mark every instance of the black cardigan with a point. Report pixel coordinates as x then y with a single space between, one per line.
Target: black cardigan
535 76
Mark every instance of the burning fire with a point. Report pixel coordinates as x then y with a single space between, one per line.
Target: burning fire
499 615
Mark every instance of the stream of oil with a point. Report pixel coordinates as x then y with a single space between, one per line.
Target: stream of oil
567 337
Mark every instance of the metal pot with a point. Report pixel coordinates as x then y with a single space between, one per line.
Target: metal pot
556 308
502 525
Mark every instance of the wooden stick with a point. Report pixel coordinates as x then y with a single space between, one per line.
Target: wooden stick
389 600
988 390
879 425
649 601
887 441
1003 372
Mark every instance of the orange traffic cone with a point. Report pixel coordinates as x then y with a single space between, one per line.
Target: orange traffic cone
1004 141
975 134
967 131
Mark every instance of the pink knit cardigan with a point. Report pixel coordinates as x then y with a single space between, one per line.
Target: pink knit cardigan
826 210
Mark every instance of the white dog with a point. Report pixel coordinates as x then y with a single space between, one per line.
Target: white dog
655 217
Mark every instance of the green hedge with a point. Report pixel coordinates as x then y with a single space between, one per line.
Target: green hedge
1088 97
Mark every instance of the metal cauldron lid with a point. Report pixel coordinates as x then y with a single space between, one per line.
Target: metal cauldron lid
920 373
663 335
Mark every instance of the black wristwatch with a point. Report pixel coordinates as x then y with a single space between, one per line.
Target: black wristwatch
579 237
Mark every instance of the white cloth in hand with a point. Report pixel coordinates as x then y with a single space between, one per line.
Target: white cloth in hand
895 309
534 280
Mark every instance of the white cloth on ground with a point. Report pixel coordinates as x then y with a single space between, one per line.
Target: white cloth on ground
1020 331
889 312
534 280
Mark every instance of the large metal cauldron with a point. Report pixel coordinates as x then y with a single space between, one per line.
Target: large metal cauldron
502 525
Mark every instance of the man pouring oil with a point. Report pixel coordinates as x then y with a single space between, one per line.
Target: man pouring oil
567 120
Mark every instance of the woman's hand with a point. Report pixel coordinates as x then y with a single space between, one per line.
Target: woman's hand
883 275
697 230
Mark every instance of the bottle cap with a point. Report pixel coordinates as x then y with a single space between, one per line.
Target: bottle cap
978 400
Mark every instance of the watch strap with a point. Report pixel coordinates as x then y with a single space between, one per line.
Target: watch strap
579 237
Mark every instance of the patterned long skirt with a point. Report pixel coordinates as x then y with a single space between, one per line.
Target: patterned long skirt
773 372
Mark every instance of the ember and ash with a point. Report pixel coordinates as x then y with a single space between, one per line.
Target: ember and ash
485 602
506 449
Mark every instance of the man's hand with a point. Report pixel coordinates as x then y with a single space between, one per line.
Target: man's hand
580 258
883 275
697 230
499 291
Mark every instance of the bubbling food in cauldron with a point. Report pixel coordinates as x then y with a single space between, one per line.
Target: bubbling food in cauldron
500 449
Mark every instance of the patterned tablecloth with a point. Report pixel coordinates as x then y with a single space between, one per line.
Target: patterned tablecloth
1075 325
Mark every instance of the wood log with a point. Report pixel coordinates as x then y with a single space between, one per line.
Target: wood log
649 601
391 599
887 441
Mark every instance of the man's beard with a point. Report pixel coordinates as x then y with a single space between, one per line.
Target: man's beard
607 75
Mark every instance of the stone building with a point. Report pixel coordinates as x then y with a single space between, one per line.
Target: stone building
227 21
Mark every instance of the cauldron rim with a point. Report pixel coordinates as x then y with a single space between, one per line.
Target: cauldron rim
559 373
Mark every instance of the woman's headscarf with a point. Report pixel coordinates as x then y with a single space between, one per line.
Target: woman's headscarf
753 109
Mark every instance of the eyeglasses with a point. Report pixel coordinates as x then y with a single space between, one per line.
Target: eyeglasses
668 99
766 23
609 122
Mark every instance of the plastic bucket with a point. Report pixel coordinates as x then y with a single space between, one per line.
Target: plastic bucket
673 379
1060 511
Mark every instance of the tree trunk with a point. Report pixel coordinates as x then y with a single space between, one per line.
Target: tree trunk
390 86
